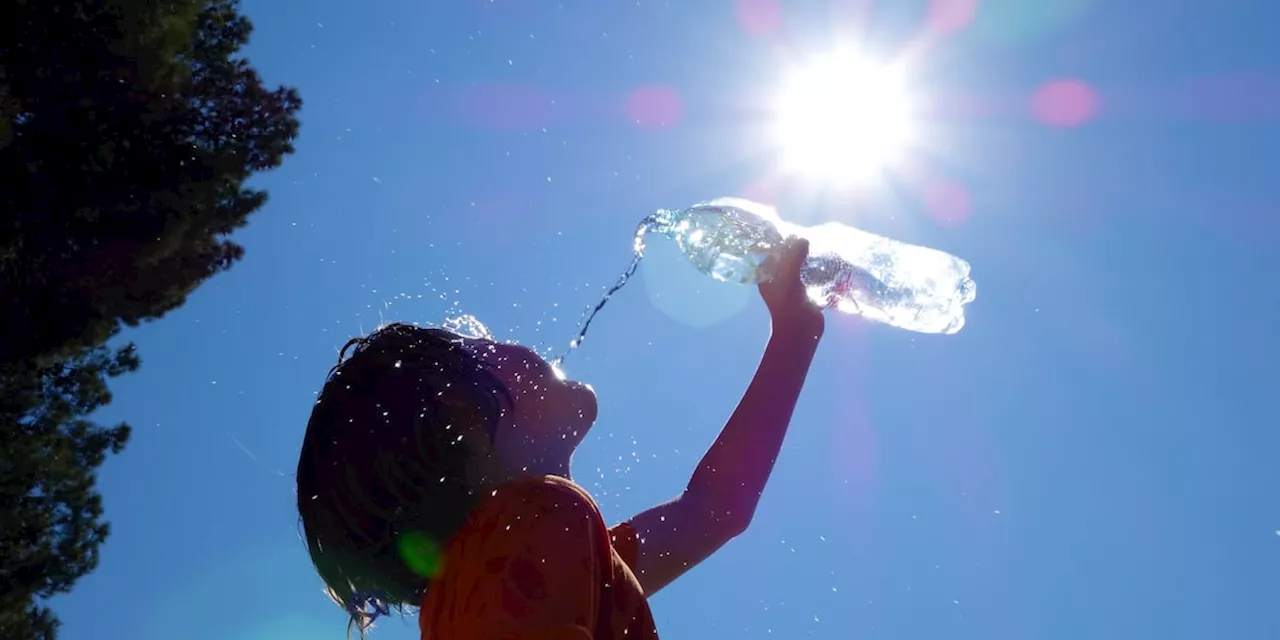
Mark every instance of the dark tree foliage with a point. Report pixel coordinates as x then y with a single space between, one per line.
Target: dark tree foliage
128 129
131 129
50 514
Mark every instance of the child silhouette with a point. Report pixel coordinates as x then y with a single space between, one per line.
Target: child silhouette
435 473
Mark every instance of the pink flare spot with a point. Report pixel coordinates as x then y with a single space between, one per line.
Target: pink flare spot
758 17
947 201
950 16
654 107
1064 103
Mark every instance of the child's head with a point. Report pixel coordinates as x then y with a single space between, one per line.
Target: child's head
412 428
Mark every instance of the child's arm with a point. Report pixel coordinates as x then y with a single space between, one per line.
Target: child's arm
721 497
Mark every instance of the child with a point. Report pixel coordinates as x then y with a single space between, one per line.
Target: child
435 473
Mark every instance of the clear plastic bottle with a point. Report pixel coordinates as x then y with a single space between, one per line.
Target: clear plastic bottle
850 270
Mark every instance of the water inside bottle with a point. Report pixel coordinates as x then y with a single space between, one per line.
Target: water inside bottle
725 239
907 286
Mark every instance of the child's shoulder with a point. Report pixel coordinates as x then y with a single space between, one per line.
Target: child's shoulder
539 515
534 531
539 496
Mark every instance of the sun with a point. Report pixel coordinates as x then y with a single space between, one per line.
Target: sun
841 118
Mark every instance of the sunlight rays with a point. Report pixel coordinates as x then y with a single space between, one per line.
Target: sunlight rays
840 117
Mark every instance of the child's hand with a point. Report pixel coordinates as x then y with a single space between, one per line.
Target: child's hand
785 295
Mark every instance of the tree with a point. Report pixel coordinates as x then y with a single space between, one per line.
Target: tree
128 129
133 127
50 513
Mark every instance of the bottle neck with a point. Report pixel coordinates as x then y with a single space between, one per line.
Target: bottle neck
661 222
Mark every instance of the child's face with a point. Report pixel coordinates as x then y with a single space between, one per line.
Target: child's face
549 416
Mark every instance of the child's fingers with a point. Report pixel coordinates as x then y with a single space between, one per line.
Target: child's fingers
800 251
797 252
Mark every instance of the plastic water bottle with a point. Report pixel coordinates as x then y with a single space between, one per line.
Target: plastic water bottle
850 270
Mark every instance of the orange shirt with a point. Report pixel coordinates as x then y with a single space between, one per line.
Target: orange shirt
535 562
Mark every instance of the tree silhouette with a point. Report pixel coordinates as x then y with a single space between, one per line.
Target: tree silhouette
128 129
50 514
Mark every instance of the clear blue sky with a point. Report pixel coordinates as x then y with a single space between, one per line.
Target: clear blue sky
1094 456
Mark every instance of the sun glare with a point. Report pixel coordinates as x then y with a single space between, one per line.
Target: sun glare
840 118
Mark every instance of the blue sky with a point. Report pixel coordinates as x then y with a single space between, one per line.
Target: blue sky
1089 458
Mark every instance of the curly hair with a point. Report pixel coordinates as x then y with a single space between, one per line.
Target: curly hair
383 472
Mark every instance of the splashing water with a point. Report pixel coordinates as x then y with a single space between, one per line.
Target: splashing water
468 326
654 222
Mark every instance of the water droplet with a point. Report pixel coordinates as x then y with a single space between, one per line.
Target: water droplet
468 326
